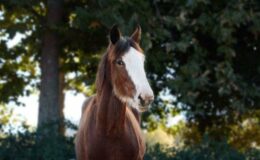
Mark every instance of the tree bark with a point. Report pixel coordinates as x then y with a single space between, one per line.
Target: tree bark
50 89
61 102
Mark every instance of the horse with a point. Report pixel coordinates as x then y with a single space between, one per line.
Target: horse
109 128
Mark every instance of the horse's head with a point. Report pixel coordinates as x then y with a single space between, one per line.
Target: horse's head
125 64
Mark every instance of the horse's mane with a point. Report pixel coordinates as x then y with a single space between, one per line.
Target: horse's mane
101 76
132 120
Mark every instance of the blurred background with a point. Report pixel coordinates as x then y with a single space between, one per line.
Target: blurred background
202 61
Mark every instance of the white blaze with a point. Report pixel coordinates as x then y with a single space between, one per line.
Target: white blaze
134 63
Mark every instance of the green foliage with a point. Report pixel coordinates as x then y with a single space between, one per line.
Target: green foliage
203 52
17 65
241 135
210 149
252 154
207 149
83 39
158 152
27 145
5 114
206 54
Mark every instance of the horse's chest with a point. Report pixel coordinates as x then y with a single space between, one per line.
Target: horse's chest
121 147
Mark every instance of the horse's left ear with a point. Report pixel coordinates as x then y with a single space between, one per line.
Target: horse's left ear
136 36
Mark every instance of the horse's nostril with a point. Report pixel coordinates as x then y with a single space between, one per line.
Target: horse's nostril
142 101
145 101
139 97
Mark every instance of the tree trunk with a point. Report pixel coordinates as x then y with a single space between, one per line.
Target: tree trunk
50 99
61 102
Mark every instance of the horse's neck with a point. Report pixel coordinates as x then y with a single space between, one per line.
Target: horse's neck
114 118
111 112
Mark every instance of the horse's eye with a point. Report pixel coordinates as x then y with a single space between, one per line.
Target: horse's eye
120 62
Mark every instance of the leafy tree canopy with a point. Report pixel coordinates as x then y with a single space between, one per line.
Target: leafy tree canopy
207 54
204 53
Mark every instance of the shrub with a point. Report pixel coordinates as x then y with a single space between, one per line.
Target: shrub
26 145
209 150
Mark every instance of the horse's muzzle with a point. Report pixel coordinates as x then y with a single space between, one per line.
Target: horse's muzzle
145 102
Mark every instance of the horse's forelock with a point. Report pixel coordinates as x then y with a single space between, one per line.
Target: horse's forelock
122 46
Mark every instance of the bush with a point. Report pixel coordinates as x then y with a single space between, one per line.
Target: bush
26 145
159 152
252 154
209 150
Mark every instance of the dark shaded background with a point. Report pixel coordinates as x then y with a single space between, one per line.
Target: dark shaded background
202 54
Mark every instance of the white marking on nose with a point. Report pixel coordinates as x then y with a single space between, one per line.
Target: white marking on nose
134 63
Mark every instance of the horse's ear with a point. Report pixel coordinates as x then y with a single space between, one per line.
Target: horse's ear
114 34
136 36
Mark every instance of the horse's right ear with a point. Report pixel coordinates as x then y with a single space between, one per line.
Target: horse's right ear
114 34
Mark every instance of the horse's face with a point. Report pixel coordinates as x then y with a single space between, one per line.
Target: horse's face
128 76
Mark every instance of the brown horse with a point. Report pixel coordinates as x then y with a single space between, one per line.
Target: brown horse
109 127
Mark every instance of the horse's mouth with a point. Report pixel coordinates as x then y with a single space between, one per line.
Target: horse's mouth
143 108
138 105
